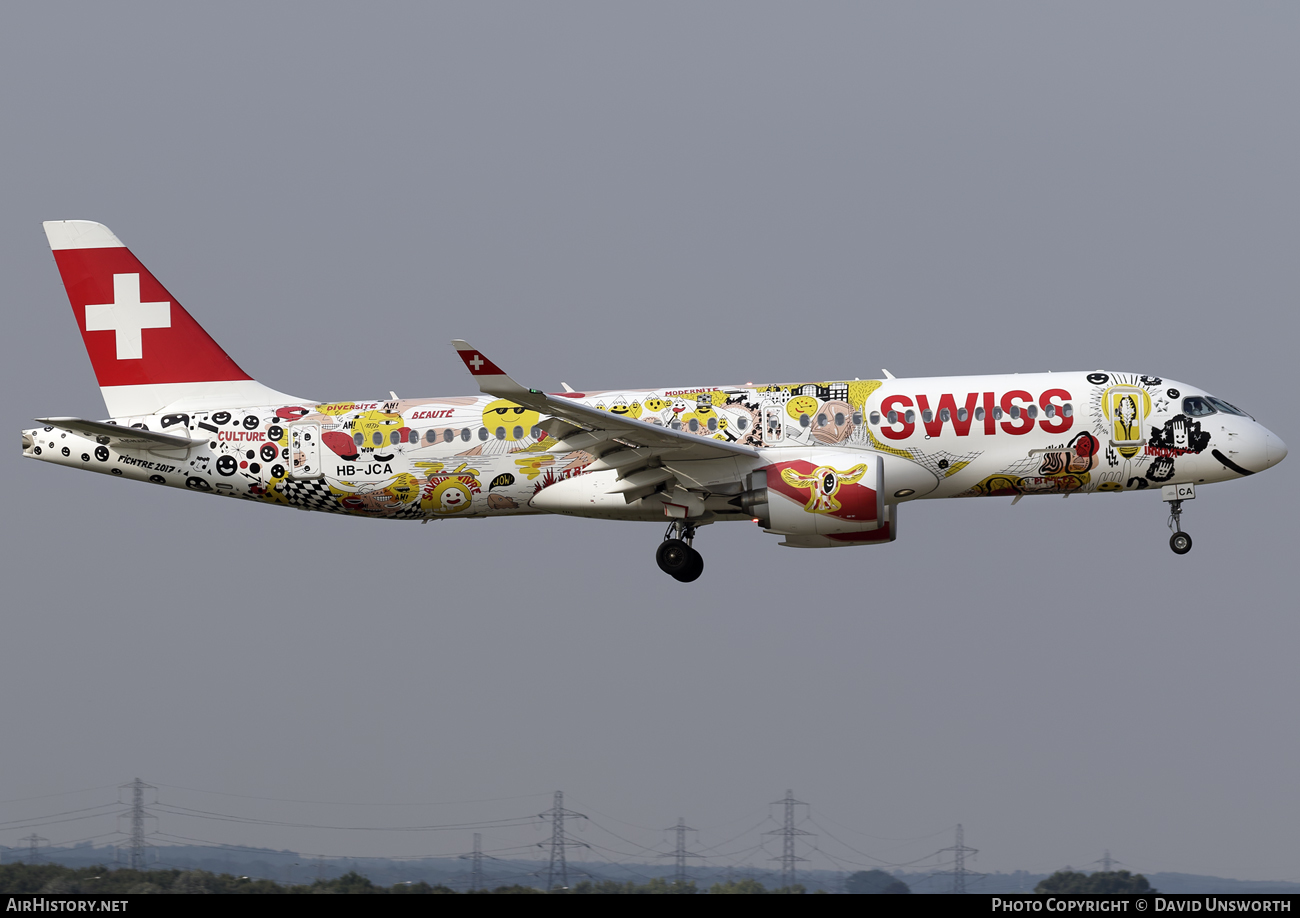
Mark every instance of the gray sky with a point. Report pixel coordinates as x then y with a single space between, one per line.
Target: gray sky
665 194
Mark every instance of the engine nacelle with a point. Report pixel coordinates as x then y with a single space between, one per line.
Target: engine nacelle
833 497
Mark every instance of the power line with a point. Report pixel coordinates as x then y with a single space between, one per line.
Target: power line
135 843
680 852
959 872
788 832
476 864
1107 862
199 790
34 846
559 841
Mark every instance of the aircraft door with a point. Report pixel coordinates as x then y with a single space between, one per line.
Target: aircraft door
304 451
773 425
1127 408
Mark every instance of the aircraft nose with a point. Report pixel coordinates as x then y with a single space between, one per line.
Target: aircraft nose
1274 448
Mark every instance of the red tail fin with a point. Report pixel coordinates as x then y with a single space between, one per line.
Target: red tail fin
147 351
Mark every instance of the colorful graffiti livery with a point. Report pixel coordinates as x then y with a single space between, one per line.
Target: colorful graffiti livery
822 464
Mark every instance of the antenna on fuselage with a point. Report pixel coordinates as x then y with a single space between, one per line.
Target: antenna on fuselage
888 375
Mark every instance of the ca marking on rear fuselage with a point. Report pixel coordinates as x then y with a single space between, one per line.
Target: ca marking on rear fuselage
823 464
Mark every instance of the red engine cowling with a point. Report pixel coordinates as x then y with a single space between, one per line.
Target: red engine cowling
825 497
835 497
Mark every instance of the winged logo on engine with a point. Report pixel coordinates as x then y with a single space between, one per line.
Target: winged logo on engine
823 484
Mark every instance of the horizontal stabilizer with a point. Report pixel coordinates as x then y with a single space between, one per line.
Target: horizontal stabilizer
120 437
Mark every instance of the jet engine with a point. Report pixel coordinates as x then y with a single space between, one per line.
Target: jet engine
834 497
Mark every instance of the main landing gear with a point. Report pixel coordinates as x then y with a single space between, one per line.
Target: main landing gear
676 557
1180 541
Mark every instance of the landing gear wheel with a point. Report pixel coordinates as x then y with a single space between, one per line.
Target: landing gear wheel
694 567
674 557
1181 543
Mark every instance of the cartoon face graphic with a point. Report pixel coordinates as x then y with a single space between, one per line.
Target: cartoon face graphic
505 420
445 496
1182 434
454 497
801 405
655 404
378 429
1161 469
703 420
623 408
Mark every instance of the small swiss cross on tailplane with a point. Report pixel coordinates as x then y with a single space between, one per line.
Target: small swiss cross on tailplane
475 362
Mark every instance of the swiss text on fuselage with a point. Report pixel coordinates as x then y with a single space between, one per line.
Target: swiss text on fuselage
1012 415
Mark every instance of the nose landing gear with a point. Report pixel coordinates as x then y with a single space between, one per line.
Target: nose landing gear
1180 541
676 557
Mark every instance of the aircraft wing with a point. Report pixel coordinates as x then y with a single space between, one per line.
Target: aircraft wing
591 429
122 437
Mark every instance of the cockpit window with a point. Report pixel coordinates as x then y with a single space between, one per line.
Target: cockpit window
1196 407
1225 407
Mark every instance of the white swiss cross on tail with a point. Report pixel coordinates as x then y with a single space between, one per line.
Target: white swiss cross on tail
127 316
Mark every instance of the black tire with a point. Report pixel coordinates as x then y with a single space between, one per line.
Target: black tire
694 568
673 556
1181 543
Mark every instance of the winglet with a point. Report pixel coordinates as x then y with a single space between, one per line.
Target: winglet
492 380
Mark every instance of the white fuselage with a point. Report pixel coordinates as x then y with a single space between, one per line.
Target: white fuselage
476 456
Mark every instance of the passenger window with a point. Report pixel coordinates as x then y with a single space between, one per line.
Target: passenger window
997 413
713 423
839 419
448 435
358 439
1067 410
962 414
519 433
482 433
1050 411
1015 411
875 417
431 436
693 424
412 437
501 433
464 434
395 437
857 417
1033 411
893 417
743 424
821 420
377 438
927 415
979 414
945 415
537 433
804 420
910 415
